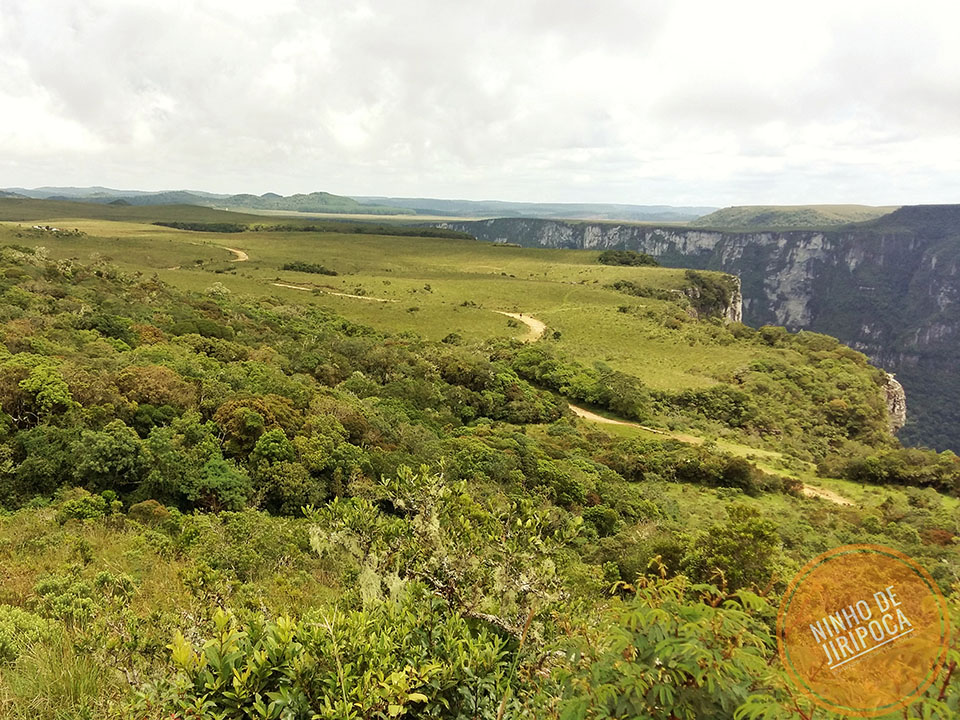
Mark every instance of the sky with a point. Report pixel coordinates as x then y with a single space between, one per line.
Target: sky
682 102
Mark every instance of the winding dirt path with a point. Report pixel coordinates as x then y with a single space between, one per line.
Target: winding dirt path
587 415
807 490
536 328
240 255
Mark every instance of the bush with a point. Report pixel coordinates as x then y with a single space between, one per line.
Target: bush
86 507
19 630
665 657
305 267
406 657
710 294
149 512
626 257
738 553
605 519
204 227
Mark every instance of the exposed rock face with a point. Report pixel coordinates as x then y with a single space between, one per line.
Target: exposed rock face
896 403
889 288
735 308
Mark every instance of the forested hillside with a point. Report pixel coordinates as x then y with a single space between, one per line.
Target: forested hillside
222 506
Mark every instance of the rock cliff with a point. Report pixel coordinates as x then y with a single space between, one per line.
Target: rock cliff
889 287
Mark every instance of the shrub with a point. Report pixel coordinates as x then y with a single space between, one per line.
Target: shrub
667 657
66 597
405 657
605 519
742 551
710 294
149 512
305 267
221 227
626 257
19 630
86 507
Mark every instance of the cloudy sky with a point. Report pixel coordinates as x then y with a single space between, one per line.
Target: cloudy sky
638 101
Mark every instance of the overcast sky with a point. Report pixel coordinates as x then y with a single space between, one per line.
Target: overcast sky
637 101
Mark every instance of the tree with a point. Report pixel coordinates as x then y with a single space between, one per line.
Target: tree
110 459
220 485
743 550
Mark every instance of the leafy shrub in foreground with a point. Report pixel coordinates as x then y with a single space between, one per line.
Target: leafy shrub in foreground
405 657
666 657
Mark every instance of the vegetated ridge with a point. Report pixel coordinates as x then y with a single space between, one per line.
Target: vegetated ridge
790 217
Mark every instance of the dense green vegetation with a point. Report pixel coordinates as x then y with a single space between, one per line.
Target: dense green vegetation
627 257
365 228
226 506
203 226
312 268
340 226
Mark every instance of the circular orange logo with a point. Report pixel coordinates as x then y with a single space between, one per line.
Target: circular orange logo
863 630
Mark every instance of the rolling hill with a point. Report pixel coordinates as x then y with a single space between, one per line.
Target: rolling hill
783 217
316 202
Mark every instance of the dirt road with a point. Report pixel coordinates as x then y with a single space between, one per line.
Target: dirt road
241 256
808 490
536 328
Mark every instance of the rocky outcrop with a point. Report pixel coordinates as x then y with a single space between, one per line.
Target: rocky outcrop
896 403
889 288
734 313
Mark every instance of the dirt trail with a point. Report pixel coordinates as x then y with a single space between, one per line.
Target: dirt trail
587 415
808 490
824 494
536 328
241 256
330 292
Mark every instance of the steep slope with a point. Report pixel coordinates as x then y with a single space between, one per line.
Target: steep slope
889 287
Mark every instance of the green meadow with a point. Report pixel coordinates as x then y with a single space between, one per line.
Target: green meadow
434 286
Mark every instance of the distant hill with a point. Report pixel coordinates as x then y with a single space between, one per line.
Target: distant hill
757 217
324 202
317 202
568 211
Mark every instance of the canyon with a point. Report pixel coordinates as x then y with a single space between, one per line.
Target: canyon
889 287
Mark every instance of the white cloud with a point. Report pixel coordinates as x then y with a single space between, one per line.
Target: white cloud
655 102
